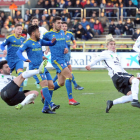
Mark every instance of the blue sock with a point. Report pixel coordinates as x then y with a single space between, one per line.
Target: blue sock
21 87
55 78
56 86
51 91
69 88
73 80
48 99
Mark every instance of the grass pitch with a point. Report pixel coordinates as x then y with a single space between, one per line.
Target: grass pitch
87 121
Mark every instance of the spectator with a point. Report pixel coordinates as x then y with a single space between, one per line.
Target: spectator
119 28
39 5
42 20
54 13
21 21
77 5
109 12
135 2
69 24
91 23
138 3
66 2
65 15
94 16
131 12
96 11
11 21
37 14
11 29
45 13
1 24
53 5
124 10
137 19
27 16
62 4
88 11
92 49
103 19
16 21
50 23
80 32
42 3
129 27
121 2
103 4
5 30
45 25
13 6
57 3
3 18
88 33
70 6
98 29
136 35
83 3
84 23
75 26
112 28
18 15
26 25
92 2
47 5
115 11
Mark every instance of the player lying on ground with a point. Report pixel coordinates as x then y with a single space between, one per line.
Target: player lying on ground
69 37
124 82
33 47
58 52
13 43
9 86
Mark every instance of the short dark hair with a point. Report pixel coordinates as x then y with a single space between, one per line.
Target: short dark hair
18 24
34 18
56 18
64 22
3 63
32 28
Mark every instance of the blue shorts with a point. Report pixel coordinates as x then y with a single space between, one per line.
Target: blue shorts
48 75
40 77
67 59
59 65
15 65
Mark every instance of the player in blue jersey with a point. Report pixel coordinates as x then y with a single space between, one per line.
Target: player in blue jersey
13 43
58 52
69 37
33 47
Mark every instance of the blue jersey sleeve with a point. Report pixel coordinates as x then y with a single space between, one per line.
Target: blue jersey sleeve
5 42
20 50
46 37
47 43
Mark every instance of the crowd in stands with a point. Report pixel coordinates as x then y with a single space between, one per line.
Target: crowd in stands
83 29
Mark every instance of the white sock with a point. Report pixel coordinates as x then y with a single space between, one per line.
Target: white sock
135 88
26 79
123 99
27 68
30 98
29 73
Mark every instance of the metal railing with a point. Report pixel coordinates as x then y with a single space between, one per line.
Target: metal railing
92 9
33 9
81 16
122 17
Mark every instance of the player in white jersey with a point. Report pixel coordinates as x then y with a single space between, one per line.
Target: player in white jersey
124 82
42 30
136 47
9 86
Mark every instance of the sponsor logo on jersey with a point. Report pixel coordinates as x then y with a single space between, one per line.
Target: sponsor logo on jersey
14 41
33 44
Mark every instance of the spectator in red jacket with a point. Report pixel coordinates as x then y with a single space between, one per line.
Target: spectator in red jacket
98 29
109 11
83 3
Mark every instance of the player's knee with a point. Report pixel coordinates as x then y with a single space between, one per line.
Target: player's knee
62 83
51 86
135 81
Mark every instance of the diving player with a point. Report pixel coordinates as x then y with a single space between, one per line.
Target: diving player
69 37
13 43
34 53
58 52
124 82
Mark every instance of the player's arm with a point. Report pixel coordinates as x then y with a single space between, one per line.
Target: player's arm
137 45
48 43
5 42
20 50
96 60
66 50
74 42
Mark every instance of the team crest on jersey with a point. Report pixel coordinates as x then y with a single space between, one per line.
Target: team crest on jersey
68 36
14 41
61 33
62 65
21 41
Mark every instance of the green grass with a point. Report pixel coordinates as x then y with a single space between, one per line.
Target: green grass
87 121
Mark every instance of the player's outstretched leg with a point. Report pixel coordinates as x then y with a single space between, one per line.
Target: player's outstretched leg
76 86
26 80
109 105
29 99
55 78
21 87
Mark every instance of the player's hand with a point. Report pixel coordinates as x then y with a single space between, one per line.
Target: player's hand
54 40
46 52
66 50
74 46
5 53
28 60
88 67
43 57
